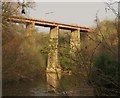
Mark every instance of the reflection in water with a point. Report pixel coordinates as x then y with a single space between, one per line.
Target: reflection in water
72 85
53 81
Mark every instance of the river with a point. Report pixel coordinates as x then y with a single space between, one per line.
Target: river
49 85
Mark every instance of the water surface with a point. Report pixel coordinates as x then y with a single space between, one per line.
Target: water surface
50 85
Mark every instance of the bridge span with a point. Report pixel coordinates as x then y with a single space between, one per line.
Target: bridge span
53 64
48 24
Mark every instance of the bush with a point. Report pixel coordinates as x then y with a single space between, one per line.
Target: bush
104 75
22 59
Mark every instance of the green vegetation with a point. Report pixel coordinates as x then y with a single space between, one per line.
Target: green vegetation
104 74
64 50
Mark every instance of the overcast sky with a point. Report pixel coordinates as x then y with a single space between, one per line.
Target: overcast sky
76 13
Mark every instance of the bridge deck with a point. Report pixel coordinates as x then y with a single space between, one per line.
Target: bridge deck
48 24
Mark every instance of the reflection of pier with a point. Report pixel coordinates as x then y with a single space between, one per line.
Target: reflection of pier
53 82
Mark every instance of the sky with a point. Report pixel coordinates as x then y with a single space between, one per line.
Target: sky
74 13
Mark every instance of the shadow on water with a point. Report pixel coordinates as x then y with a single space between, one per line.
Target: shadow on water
51 85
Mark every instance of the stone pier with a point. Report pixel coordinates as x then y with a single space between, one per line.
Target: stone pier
53 64
75 41
53 80
30 28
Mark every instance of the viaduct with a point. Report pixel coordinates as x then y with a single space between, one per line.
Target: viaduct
53 64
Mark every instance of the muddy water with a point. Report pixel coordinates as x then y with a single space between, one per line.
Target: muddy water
51 85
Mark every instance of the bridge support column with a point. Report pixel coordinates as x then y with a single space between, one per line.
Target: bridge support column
53 61
30 28
75 41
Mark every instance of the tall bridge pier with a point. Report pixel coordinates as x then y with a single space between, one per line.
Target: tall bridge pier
30 27
53 64
75 41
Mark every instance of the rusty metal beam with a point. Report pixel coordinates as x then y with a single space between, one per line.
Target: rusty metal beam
48 24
